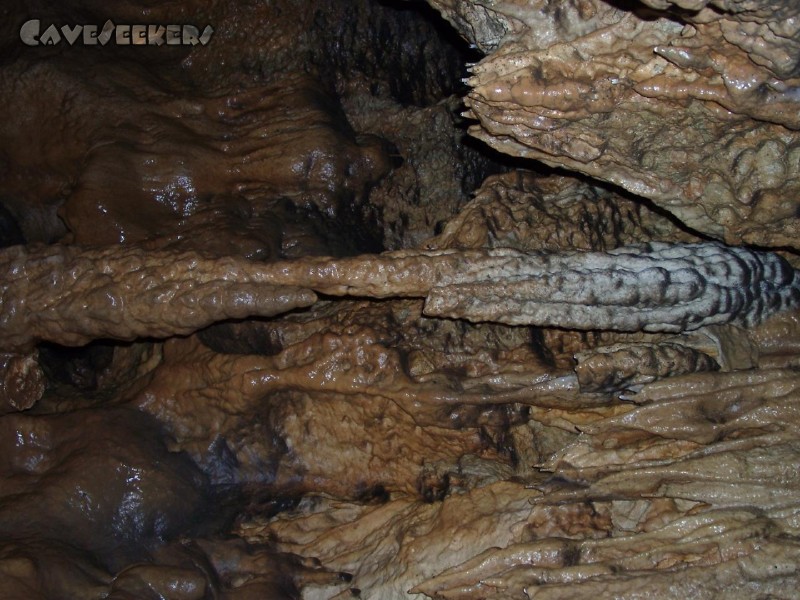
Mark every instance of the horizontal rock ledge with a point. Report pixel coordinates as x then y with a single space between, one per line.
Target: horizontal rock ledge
71 295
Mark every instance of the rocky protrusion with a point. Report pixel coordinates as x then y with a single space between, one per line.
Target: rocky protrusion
626 366
71 296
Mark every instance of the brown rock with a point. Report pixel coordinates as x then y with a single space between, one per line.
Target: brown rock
696 113
21 381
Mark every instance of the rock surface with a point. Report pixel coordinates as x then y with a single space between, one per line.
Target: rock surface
693 105
71 297
267 335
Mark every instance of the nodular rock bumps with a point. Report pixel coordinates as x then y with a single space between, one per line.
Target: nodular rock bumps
70 296
275 322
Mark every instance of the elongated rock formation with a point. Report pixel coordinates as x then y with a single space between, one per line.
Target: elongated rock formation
640 97
71 296
649 287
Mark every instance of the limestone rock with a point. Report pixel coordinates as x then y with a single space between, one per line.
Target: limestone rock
696 111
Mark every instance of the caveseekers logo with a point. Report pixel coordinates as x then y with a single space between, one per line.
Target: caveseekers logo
31 33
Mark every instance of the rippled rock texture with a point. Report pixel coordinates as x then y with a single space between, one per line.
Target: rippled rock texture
692 105
73 297
274 326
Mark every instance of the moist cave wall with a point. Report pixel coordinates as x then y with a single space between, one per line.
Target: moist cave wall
382 299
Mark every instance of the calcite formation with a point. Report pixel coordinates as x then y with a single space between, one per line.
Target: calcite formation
644 504
71 297
135 493
269 330
692 105
630 365
22 379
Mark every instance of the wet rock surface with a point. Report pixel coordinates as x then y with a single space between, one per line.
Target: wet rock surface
57 476
693 107
72 297
274 326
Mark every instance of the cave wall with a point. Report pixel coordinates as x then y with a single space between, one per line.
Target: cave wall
691 105
345 305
